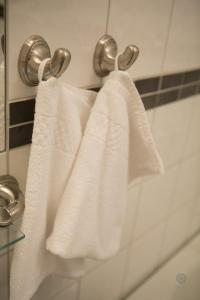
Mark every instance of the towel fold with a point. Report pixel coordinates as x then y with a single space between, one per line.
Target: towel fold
61 115
116 148
85 149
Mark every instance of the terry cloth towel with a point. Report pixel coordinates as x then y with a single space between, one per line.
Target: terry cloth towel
60 118
117 147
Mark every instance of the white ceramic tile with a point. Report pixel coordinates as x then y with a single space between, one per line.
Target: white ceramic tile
158 287
193 140
69 293
145 25
74 24
165 285
187 186
130 217
3 164
19 158
91 264
154 201
184 43
150 114
143 257
4 287
104 282
170 126
50 287
195 221
177 229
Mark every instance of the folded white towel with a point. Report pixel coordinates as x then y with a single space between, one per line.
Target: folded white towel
117 147
61 115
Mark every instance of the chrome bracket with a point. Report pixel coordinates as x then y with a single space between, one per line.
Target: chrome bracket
11 200
105 53
34 50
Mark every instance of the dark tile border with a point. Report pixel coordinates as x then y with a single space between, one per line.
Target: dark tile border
169 81
188 91
167 97
20 135
149 85
173 87
22 111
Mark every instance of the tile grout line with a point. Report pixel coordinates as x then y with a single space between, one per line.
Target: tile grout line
156 91
21 124
128 246
108 16
162 264
163 59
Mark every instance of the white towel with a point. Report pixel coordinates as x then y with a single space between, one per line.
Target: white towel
61 115
117 147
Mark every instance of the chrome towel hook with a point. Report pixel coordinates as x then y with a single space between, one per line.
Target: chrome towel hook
34 50
105 53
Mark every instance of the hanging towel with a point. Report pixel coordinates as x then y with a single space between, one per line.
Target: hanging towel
117 147
60 118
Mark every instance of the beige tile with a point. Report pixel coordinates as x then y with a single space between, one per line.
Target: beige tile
155 199
187 186
157 287
51 286
140 19
170 126
143 257
195 221
4 285
71 24
150 115
3 169
193 139
104 282
69 293
91 264
165 285
177 229
130 217
19 158
184 44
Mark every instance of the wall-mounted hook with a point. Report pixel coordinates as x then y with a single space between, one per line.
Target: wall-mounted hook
105 53
12 200
34 50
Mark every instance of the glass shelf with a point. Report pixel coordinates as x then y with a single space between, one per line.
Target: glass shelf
9 236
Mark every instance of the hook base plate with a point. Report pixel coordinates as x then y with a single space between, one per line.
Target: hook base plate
34 50
103 64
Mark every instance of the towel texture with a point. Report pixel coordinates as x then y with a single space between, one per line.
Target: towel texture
80 164
61 115
117 147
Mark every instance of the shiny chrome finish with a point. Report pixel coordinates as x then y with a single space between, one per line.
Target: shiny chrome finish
34 50
105 53
11 200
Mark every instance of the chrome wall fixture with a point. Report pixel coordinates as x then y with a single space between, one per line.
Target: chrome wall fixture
34 50
105 53
11 200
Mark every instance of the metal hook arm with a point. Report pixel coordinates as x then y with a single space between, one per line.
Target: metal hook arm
105 53
34 50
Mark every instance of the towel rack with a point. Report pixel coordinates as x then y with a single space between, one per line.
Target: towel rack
33 51
105 53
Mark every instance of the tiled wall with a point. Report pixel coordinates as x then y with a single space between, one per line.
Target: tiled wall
178 279
162 211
